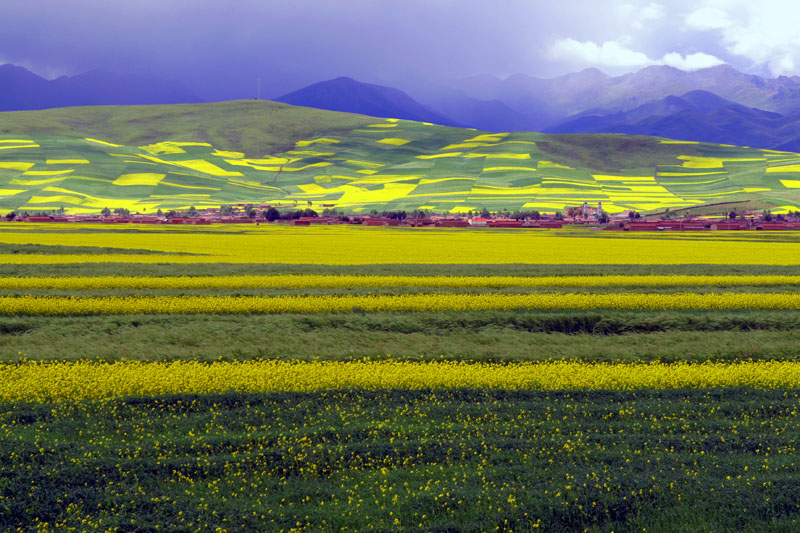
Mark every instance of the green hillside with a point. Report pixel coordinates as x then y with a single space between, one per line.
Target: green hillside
255 127
168 157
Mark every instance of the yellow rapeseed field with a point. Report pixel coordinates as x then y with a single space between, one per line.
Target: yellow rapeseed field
41 382
332 245
59 306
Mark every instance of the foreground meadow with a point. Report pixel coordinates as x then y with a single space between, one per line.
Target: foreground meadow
273 378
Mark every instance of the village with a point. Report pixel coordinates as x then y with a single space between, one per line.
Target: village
575 216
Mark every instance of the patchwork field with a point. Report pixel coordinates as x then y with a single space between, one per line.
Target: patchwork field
358 164
268 378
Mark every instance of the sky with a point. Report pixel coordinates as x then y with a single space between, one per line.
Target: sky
220 47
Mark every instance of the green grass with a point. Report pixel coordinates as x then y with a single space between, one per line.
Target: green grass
44 249
716 210
253 127
232 269
612 152
487 337
463 460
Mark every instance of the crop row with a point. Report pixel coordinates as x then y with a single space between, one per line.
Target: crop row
63 381
344 281
62 306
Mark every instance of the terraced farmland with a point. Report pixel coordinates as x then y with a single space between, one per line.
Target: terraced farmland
391 165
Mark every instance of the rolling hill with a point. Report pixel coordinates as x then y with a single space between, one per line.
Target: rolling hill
168 157
255 127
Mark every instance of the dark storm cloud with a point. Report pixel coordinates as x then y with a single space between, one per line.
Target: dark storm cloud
290 42
221 46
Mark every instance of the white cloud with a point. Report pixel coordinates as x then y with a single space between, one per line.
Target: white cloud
613 54
690 62
765 32
708 18
608 54
637 16
653 11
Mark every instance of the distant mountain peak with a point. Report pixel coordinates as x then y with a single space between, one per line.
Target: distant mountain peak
659 72
592 70
724 67
660 68
487 77
6 67
592 92
24 90
587 75
697 115
351 96
518 77
8 70
593 73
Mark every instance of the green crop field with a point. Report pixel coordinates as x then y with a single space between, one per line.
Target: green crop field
444 419
172 157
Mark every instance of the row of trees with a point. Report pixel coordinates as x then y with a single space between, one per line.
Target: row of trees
13 215
271 214
767 216
119 211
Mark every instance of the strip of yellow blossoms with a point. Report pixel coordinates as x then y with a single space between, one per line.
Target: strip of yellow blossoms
38 382
317 281
59 306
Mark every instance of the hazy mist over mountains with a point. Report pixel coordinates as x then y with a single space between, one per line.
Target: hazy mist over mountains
716 104
22 90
